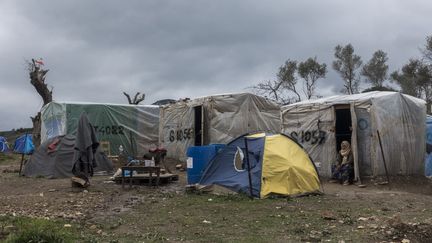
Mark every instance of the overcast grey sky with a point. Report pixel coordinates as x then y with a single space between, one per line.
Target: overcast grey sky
187 48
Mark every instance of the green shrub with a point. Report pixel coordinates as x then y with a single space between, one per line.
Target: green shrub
37 231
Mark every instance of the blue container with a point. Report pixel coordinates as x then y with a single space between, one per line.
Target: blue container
201 156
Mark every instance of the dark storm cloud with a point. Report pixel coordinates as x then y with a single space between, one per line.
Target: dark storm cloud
173 49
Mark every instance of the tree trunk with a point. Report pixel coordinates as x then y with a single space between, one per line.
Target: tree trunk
37 79
36 129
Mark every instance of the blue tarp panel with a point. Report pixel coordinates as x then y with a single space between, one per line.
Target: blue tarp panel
219 172
201 156
428 160
24 144
3 145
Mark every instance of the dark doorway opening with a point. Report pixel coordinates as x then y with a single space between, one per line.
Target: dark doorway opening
343 125
198 129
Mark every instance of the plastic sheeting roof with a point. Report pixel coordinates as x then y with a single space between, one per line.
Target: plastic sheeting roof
97 103
201 98
344 99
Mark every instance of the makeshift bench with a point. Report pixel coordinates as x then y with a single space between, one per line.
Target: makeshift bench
141 169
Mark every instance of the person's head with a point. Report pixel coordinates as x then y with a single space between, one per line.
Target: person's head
345 145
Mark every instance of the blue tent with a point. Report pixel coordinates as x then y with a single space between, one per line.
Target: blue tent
3 145
428 160
24 144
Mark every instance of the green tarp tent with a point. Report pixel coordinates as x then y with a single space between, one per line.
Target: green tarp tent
135 127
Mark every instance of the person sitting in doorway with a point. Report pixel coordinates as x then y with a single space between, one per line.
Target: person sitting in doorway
343 170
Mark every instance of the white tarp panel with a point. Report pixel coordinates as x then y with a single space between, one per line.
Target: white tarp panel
364 134
225 118
314 131
399 118
53 117
401 123
176 128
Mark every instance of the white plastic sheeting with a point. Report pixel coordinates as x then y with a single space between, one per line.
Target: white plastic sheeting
135 127
224 118
399 119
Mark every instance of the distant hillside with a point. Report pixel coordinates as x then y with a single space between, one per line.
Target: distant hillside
14 134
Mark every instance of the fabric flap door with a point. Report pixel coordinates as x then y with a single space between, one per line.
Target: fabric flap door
354 146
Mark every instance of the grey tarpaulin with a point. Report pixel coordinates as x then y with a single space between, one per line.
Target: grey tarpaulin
398 117
86 144
58 162
223 118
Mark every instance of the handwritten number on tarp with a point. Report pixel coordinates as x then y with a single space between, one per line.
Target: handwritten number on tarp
109 130
313 137
180 135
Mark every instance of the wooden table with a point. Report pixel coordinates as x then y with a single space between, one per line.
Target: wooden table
143 169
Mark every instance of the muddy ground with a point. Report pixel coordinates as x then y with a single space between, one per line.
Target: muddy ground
398 212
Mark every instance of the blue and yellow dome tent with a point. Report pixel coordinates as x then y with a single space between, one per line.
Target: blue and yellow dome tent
261 165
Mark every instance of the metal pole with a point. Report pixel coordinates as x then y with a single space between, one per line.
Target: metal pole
248 167
382 154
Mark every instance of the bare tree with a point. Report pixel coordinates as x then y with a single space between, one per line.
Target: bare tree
137 98
310 70
273 90
283 87
375 71
427 50
415 78
287 77
37 79
346 64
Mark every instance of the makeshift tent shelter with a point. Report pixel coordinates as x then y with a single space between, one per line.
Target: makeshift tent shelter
321 125
135 127
4 148
214 119
428 160
55 159
24 144
261 165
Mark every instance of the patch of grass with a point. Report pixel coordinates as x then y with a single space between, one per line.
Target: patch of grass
8 157
23 229
237 218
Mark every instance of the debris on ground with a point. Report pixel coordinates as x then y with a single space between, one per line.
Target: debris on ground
327 215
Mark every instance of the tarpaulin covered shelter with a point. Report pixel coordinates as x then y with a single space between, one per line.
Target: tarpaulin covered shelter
428 160
3 145
321 125
261 165
55 159
135 127
24 144
214 119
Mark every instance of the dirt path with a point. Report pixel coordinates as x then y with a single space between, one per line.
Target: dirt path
375 213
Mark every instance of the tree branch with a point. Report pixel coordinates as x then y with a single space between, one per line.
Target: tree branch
137 98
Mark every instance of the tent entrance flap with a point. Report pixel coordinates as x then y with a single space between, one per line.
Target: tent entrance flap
199 125
343 125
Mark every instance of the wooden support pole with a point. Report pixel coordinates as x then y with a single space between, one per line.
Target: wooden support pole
248 168
382 154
